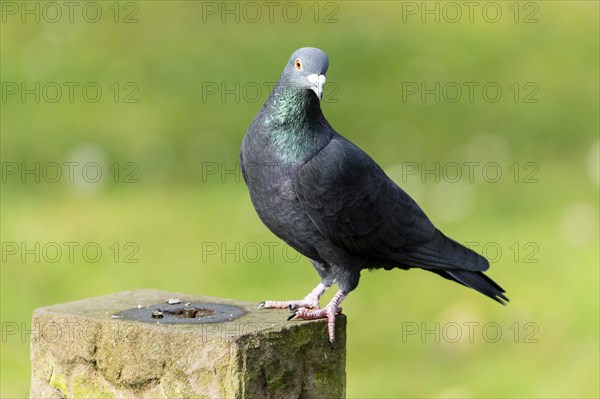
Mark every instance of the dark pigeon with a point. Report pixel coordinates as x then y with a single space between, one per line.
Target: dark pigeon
330 201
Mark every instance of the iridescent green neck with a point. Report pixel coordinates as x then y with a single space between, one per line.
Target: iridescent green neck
296 124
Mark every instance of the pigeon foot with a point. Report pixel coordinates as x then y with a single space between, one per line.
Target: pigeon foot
329 312
311 301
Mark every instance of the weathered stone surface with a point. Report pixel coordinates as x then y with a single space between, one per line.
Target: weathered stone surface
78 350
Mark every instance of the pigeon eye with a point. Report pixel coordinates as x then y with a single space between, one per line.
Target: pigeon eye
298 64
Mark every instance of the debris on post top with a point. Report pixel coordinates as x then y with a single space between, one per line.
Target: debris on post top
149 343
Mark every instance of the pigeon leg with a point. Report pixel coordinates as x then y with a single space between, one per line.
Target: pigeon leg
311 301
329 312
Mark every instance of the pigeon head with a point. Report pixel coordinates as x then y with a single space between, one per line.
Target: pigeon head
306 70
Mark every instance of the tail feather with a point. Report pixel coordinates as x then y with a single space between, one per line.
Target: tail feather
479 282
451 260
444 253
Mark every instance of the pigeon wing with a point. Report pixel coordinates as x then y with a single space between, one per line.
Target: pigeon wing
358 207
352 202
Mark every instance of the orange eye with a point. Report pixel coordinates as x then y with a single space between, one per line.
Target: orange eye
298 64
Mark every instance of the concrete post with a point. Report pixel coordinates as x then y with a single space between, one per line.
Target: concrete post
93 349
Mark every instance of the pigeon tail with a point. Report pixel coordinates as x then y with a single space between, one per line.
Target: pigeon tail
453 261
441 252
479 282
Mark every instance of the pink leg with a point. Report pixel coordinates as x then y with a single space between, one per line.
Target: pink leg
329 312
311 301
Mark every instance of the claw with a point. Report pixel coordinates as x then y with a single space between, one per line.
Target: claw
292 315
261 305
332 343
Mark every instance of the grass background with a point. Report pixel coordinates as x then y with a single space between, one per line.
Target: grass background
177 132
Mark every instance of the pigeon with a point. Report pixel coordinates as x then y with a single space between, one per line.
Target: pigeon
330 201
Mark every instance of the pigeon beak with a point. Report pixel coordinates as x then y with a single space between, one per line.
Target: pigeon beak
317 82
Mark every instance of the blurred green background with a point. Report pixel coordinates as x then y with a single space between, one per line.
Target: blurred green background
181 81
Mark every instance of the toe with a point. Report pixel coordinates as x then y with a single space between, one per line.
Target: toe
331 326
